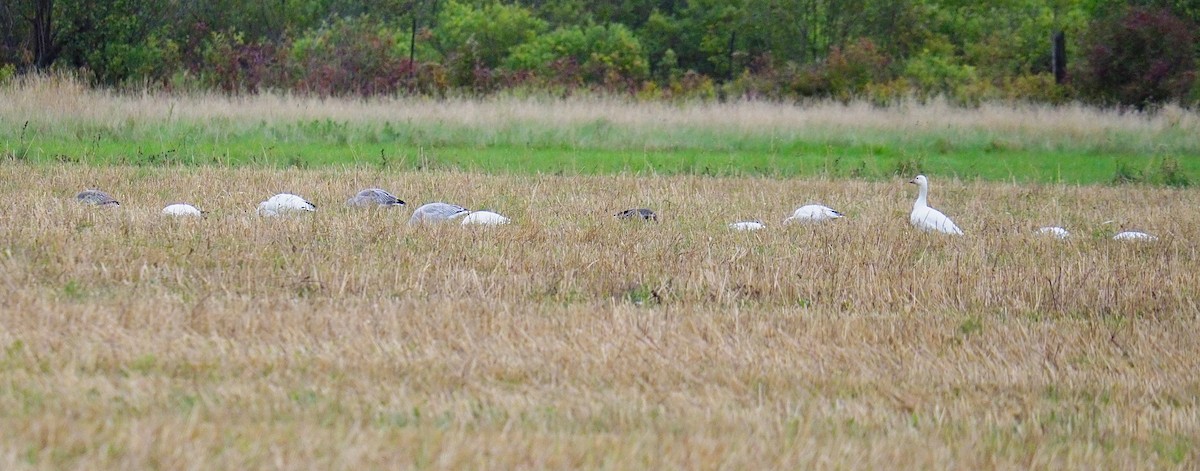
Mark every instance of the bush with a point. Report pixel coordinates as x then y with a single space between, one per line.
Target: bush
937 71
351 56
605 55
851 69
1138 58
227 62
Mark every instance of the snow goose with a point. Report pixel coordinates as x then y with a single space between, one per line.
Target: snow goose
1135 235
928 219
182 209
98 198
813 213
374 197
437 212
485 218
1054 231
747 225
638 213
1138 236
284 203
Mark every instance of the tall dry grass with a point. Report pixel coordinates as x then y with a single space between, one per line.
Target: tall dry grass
346 339
65 102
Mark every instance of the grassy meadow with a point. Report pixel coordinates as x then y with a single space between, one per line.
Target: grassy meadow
50 120
346 339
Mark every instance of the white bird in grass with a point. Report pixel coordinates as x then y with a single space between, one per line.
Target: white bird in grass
374 197
928 219
747 225
284 203
1138 236
813 213
182 209
1055 231
485 218
98 198
437 212
1135 235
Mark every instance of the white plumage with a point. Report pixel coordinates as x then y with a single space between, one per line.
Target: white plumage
928 219
284 203
182 209
485 218
437 212
812 213
747 226
1054 231
1135 235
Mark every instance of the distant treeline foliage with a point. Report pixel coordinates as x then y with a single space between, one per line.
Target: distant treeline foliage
1130 53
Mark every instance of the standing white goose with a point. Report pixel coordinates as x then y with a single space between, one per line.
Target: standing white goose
284 203
182 209
437 212
813 213
928 219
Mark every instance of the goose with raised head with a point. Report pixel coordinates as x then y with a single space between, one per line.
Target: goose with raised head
437 212
485 218
928 219
98 198
285 203
813 213
747 225
371 197
182 209
643 214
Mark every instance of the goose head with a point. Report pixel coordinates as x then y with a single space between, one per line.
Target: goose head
920 180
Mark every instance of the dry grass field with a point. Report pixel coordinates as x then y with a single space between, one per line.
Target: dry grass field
348 340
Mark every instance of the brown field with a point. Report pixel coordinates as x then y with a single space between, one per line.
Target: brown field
348 340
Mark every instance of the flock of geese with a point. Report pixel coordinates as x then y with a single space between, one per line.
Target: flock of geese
923 216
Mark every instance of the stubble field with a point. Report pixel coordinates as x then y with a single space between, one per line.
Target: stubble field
348 340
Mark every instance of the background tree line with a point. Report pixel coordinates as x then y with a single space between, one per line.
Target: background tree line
1121 52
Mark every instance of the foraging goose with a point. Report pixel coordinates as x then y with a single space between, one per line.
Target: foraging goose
182 209
1135 235
437 212
98 198
812 213
1130 235
928 219
485 218
284 203
1054 231
747 225
374 197
638 213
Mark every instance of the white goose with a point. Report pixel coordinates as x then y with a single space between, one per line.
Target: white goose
1054 231
485 218
928 219
182 209
1138 236
813 213
284 203
747 225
